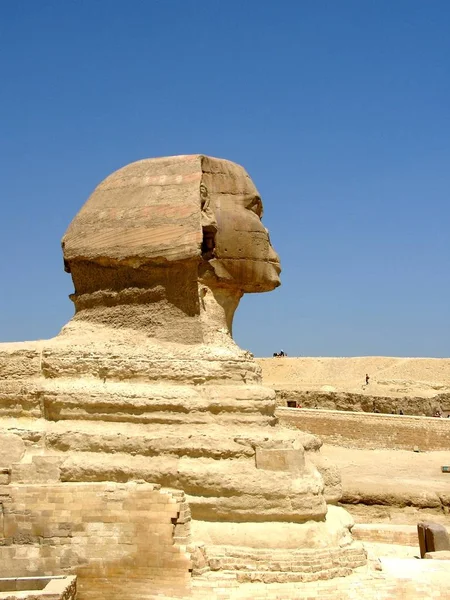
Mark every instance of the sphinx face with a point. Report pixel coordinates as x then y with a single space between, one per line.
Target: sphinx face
243 254
170 210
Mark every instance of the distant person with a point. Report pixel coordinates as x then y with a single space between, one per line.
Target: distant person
400 412
282 353
367 379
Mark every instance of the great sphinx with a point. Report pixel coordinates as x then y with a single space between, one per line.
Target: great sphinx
146 383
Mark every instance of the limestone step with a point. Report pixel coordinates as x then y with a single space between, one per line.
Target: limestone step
81 399
288 577
282 565
139 440
212 440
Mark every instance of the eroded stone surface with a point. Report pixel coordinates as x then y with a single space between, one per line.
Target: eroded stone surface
12 449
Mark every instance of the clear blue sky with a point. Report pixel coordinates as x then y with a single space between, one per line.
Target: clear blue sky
339 110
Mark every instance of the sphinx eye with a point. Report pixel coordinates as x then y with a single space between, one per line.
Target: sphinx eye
255 205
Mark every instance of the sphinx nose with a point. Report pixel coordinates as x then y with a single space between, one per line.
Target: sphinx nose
274 259
273 256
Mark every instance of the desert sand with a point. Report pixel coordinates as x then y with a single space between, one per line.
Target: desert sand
416 385
426 377
393 486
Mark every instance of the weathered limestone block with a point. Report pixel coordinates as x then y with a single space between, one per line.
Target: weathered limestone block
12 449
20 360
436 538
42 469
433 537
331 477
289 459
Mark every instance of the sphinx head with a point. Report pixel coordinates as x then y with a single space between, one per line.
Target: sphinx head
157 213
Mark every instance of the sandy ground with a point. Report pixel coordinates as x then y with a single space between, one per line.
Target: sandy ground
397 474
396 377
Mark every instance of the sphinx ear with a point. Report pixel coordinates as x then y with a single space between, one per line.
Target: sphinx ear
208 219
209 225
209 222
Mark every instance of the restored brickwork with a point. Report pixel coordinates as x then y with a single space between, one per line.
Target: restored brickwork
365 430
369 586
104 533
272 566
38 588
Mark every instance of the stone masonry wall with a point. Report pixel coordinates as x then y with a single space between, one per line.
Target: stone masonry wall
117 538
387 533
39 588
365 430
